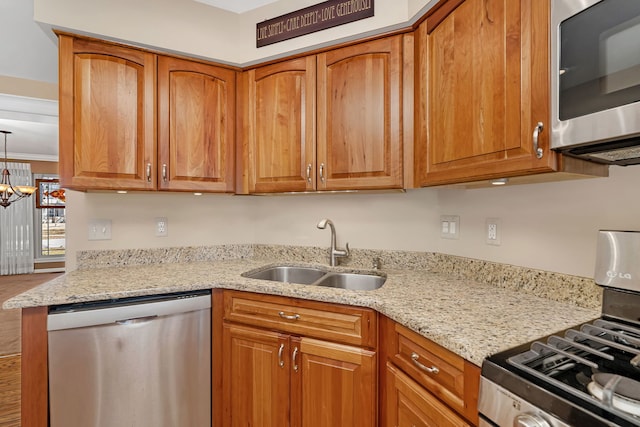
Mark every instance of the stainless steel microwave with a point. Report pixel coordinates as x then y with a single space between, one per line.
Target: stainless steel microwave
595 79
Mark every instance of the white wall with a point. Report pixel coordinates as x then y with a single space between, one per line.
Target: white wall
550 226
547 226
195 29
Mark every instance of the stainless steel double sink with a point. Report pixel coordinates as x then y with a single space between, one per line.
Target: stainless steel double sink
315 276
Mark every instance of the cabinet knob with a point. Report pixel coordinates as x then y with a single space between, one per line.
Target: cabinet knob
536 134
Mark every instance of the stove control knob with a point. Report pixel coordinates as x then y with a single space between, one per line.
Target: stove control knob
530 420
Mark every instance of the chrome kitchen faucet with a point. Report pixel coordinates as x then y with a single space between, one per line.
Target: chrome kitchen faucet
334 252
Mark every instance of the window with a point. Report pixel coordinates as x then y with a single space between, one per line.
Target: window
50 219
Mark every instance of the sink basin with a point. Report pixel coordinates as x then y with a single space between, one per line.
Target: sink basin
317 277
289 274
352 281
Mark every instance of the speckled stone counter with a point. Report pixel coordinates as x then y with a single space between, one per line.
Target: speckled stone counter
471 317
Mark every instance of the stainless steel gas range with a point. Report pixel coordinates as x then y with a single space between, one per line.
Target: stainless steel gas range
586 376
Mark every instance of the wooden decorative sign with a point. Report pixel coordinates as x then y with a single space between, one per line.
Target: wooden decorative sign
314 18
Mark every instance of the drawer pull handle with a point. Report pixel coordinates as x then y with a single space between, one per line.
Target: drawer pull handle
431 370
309 173
294 357
289 316
280 361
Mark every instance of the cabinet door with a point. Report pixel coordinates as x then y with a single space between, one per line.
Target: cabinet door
107 116
196 126
281 137
488 87
360 116
332 385
410 405
256 376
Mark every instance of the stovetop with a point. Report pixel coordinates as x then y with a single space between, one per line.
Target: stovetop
565 374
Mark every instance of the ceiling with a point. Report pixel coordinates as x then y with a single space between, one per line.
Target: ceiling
27 53
32 54
34 126
237 6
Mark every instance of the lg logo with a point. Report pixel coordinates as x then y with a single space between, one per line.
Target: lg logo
613 275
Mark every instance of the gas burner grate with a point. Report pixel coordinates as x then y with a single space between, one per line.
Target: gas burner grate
569 362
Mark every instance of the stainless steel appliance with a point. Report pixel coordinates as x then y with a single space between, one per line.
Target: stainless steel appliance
136 362
595 79
587 376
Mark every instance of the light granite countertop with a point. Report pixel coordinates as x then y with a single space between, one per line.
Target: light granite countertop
470 318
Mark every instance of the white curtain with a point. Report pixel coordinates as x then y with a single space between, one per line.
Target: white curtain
16 226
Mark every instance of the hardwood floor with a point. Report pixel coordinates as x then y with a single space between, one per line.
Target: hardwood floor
10 345
10 391
10 319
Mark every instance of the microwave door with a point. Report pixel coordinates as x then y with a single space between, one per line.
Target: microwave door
599 59
596 77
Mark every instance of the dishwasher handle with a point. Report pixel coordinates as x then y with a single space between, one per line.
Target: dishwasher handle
115 314
136 320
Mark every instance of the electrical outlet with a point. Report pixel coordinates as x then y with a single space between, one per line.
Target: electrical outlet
449 226
162 227
493 231
99 229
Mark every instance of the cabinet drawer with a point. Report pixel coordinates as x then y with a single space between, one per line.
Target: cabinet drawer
446 375
350 325
410 405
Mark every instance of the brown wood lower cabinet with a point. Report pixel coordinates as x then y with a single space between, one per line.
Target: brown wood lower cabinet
255 383
274 378
422 383
411 405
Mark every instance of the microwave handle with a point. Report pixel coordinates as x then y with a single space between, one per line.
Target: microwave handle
536 133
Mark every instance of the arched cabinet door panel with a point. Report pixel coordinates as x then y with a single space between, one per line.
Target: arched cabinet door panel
196 126
107 116
280 135
360 116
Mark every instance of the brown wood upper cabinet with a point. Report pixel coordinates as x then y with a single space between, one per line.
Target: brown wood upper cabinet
107 115
110 118
331 121
196 126
482 88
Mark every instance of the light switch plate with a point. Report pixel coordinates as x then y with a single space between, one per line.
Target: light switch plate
449 226
99 229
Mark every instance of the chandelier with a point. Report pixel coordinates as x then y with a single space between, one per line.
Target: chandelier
8 192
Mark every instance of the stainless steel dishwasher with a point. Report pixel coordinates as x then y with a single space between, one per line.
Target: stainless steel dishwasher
133 362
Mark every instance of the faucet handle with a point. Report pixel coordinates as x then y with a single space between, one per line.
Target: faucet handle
342 253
